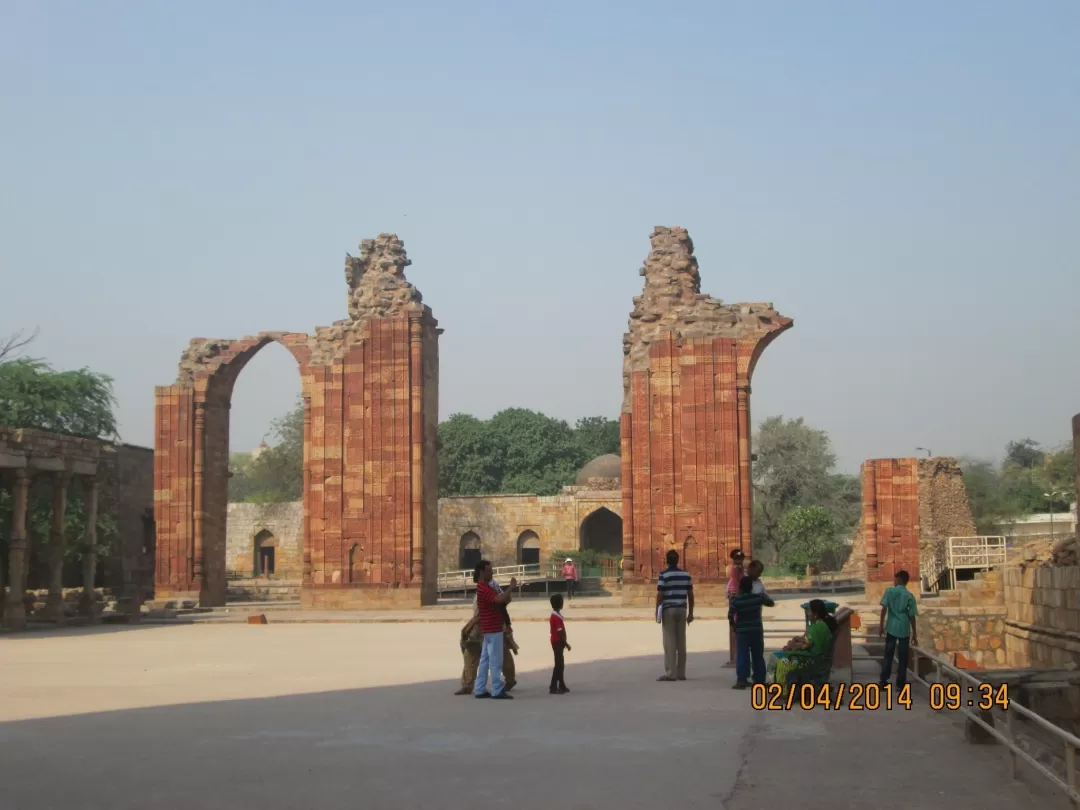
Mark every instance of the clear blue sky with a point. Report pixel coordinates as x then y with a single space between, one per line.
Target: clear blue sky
901 179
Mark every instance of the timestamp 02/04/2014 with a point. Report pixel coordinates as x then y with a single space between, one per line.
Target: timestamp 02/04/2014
858 697
873 697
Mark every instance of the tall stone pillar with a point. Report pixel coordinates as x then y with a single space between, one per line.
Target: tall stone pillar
54 603
685 426
89 560
15 610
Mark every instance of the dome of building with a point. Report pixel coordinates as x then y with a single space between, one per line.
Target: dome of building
609 466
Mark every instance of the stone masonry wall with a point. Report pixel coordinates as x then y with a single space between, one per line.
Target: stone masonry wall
500 520
909 507
1042 615
968 623
370 388
283 520
127 496
688 360
890 523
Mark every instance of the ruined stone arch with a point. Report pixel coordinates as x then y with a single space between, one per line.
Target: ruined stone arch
264 552
529 548
370 389
470 550
601 531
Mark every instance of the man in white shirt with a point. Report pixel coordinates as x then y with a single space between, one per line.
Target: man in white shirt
754 571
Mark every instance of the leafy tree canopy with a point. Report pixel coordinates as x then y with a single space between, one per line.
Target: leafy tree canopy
276 474
78 403
795 471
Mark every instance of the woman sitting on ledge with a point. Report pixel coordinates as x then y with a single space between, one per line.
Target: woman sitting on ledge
800 652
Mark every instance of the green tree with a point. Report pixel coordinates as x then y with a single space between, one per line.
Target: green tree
518 450
277 474
598 436
793 468
992 503
541 453
1025 454
810 538
77 403
471 460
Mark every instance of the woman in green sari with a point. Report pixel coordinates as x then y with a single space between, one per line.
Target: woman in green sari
798 653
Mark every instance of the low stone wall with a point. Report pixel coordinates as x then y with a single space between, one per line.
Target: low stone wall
976 633
1042 615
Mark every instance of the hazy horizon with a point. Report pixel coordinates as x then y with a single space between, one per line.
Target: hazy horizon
903 182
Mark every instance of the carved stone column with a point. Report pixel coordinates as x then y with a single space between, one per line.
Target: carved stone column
14 610
89 560
746 492
198 475
54 603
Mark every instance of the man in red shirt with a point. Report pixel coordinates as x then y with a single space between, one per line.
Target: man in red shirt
570 575
490 604
558 644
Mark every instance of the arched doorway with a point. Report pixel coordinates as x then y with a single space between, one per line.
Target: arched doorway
601 532
528 548
265 552
470 551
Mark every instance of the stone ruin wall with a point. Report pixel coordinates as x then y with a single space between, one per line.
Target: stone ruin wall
1042 600
370 387
688 360
285 521
890 523
941 510
500 520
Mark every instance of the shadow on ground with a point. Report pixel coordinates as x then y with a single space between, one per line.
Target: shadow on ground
619 740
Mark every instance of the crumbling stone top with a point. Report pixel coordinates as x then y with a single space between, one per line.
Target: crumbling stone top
377 289
672 302
377 284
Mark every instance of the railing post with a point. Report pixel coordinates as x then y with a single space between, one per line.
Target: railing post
1070 772
1010 729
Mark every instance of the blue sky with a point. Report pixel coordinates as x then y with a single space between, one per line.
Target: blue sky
901 179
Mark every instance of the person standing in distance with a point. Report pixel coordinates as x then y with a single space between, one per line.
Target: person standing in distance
492 625
675 604
897 625
570 576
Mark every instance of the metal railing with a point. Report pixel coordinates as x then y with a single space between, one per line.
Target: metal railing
976 552
934 564
1071 743
463 580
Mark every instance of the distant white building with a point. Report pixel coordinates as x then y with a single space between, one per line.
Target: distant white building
1040 526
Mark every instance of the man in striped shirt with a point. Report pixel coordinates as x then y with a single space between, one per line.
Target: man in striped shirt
675 609
492 625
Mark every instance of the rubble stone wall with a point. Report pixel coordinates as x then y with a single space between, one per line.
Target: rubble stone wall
688 360
501 520
370 388
284 522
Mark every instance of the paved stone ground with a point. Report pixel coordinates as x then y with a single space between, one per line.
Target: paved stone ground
291 717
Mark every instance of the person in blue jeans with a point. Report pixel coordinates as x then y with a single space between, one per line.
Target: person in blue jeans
744 614
491 608
898 612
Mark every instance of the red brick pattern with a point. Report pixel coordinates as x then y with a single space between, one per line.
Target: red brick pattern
686 455
890 518
367 467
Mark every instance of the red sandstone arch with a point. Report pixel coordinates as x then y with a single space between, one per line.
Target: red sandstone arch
686 420
370 388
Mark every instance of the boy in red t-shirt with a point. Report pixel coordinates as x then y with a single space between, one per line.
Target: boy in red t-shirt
558 644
